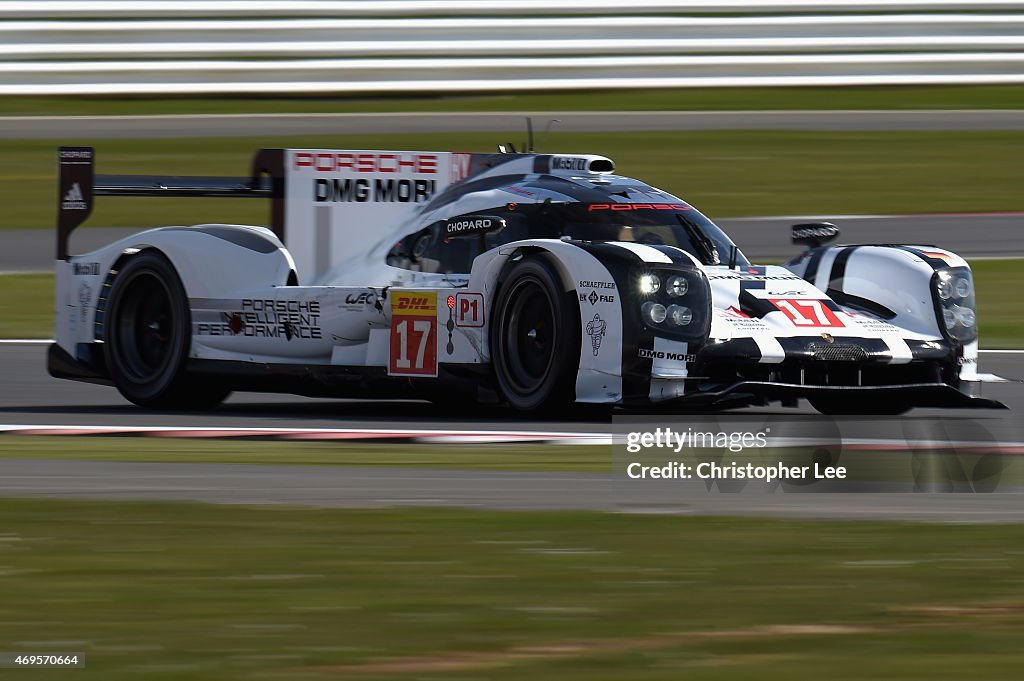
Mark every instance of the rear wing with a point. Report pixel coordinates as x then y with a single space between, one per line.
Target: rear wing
326 206
78 185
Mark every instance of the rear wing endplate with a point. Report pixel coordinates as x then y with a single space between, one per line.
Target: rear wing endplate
78 185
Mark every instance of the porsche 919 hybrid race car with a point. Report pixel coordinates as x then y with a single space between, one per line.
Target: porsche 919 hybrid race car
537 280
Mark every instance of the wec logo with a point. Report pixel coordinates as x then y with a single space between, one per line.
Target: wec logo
364 298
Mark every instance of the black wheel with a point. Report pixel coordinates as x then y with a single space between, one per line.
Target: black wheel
535 337
147 337
857 406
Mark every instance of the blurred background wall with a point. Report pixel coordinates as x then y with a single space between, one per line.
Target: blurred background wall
382 46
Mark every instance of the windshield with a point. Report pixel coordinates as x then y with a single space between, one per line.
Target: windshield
654 224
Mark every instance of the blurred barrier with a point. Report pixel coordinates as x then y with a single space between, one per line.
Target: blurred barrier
184 46
192 8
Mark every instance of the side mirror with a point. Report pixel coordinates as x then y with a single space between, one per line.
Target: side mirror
472 225
814 234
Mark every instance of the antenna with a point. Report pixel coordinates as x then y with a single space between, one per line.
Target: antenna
547 128
529 135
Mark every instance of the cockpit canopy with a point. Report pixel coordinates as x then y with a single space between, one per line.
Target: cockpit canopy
657 224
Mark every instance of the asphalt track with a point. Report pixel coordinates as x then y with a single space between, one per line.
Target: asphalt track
87 128
970 235
358 487
32 397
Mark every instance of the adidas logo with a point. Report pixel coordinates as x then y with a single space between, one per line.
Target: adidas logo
74 200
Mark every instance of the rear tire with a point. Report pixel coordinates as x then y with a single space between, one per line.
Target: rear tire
148 335
535 338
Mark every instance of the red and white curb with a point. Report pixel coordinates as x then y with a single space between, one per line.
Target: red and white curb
440 436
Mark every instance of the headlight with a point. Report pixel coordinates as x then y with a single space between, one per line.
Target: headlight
649 284
953 292
680 315
677 286
672 302
949 317
654 312
965 316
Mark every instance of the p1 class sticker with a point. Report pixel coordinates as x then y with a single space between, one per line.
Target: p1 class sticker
469 309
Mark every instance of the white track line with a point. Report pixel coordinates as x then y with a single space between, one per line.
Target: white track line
604 438
47 341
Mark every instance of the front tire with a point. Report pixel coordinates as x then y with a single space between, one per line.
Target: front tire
535 338
148 335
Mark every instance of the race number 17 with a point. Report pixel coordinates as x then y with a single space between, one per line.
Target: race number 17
807 312
421 329
413 347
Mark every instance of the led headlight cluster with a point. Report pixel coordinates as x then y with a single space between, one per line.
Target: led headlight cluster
953 290
675 302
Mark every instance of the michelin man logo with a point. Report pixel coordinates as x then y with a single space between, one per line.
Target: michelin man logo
84 296
595 329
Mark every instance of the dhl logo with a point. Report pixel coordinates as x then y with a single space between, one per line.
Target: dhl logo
414 303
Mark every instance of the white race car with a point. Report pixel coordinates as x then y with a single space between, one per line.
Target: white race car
538 280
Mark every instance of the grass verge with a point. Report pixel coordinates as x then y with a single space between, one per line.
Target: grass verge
26 304
724 173
706 99
170 591
505 457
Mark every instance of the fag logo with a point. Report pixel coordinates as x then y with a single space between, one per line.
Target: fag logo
414 303
594 298
74 200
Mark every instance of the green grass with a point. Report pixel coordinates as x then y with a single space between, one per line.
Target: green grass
507 457
711 99
1000 302
732 173
171 591
26 304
